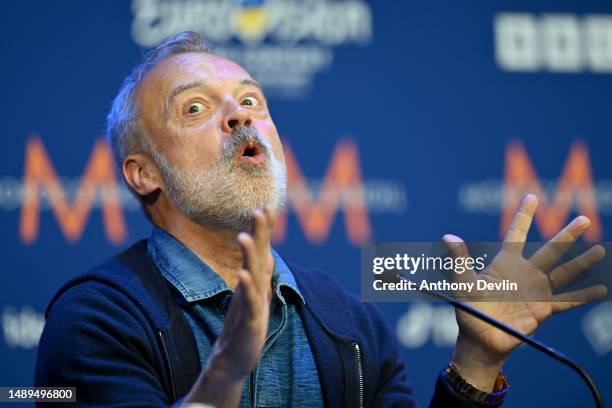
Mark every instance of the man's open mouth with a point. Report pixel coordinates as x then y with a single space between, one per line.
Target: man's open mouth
252 153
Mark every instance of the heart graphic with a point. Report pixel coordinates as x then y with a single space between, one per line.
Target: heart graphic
251 23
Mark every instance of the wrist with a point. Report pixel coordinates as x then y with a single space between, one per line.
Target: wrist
218 384
476 364
467 391
222 368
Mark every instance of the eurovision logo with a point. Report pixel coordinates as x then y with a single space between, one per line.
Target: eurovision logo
282 43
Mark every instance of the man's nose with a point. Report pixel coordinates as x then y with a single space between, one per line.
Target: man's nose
238 118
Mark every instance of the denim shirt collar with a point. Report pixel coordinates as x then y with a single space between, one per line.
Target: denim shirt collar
195 280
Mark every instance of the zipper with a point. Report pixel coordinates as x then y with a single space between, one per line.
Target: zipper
346 343
169 366
252 387
359 363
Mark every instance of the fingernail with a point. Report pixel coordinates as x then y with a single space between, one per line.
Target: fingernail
583 221
530 197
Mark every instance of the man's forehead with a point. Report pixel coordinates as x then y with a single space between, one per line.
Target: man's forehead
195 67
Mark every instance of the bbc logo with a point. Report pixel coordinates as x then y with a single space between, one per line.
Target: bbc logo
563 43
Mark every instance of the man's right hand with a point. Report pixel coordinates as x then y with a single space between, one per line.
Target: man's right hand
238 348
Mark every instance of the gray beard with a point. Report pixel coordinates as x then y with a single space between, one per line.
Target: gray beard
226 196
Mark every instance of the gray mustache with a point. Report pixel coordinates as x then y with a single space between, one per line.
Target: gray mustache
240 137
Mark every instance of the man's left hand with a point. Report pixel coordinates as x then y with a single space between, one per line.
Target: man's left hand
481 349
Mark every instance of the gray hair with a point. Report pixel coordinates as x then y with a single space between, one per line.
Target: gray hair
124 128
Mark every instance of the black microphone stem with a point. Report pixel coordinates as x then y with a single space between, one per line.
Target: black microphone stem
557 355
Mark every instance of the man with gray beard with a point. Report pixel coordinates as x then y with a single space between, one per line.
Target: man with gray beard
205 310
218 197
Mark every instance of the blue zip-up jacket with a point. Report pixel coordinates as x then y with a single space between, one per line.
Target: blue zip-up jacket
117 334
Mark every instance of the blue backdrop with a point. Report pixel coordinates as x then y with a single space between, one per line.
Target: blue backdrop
437 111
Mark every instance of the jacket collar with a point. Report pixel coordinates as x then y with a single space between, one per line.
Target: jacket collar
320 299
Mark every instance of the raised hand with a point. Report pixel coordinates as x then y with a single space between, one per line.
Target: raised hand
238 348
481 349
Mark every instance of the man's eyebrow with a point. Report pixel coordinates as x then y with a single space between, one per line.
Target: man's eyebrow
176 91
249 81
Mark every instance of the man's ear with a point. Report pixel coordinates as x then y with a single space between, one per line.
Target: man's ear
141 174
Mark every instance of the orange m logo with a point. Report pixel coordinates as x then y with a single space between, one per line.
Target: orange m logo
99 175
342 186
576 182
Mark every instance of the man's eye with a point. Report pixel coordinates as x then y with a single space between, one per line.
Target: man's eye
195 107
250 101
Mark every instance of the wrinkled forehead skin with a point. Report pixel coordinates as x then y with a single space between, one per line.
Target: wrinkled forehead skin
158 83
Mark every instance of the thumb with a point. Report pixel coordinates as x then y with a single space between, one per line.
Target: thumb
458 250
455 245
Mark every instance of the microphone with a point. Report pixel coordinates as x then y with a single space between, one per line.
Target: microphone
538 345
